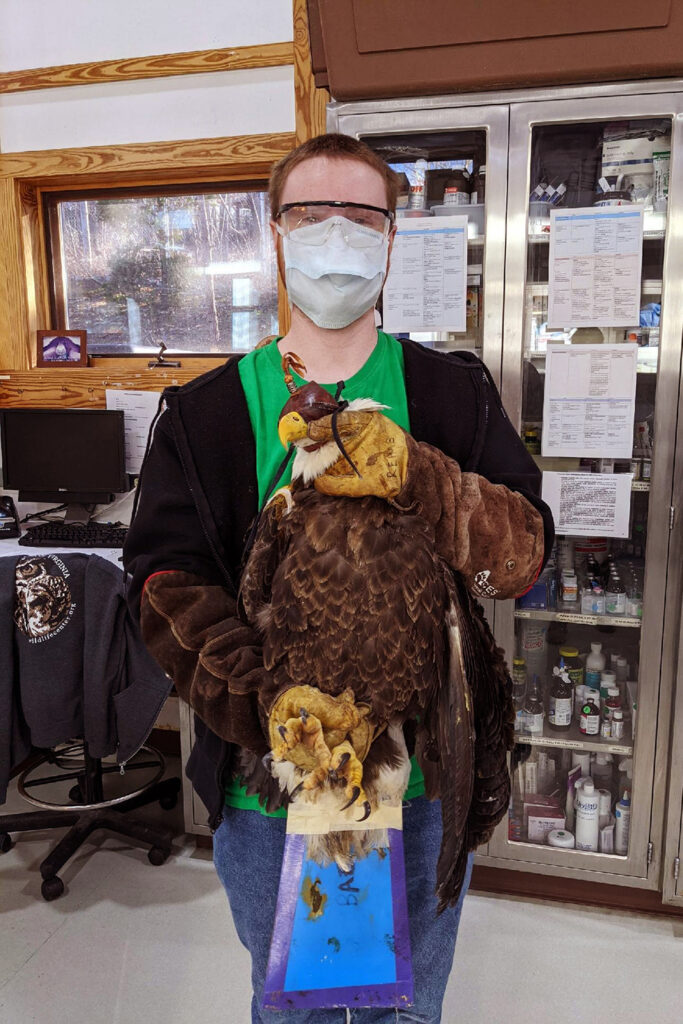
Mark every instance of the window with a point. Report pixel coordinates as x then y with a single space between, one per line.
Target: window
194 269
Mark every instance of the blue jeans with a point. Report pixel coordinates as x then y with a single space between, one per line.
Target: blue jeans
247 853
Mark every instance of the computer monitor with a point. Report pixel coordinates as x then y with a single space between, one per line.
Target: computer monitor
73 456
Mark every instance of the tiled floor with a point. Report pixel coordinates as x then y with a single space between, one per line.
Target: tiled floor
134 944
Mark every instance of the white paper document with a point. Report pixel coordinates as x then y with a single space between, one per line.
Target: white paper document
139 409
589 504
589 401
595 266
426 288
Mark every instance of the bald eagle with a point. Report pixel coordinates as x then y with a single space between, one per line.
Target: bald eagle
372 638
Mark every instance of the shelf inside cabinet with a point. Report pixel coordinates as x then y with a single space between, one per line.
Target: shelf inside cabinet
627 621
573 739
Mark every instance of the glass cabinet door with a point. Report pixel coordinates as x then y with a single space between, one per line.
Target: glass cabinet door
584 644
451 162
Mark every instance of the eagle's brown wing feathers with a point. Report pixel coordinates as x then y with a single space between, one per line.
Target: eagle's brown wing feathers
356 601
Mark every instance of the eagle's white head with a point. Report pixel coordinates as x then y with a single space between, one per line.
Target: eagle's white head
316 446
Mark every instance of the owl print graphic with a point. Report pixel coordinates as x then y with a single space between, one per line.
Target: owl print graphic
44 604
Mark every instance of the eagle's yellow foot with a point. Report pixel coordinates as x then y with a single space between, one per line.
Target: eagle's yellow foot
307 731
345 766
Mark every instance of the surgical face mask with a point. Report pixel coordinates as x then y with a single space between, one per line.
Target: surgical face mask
334 270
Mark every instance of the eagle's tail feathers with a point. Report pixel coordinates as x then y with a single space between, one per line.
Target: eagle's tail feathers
455 732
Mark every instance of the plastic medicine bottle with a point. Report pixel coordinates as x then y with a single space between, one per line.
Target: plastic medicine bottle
595 664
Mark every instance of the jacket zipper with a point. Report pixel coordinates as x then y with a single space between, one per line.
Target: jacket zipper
215 819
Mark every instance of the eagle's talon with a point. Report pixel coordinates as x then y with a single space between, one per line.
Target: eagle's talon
343 760
367 807
354 796
303 714
296 789
283 732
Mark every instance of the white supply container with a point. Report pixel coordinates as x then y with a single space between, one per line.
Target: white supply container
618 725
561 838
607 838
595 664
608 679
604 807
587 826
622 828
584 759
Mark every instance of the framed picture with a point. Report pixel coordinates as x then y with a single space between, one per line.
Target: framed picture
62 348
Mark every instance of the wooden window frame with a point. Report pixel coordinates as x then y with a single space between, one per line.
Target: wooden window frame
24 282
50 200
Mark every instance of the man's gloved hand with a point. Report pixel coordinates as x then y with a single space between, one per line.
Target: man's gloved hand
378 448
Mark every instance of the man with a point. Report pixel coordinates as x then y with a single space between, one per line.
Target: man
214 456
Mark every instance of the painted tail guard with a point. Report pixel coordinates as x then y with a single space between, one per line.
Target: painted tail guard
340 939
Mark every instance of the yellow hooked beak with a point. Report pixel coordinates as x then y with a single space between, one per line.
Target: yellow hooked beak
292 428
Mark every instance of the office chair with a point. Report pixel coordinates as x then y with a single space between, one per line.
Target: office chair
89 810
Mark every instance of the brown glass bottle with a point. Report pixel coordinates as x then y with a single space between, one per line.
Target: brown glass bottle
561 701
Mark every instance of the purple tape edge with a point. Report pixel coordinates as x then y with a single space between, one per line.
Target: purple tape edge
295 848
389 995
404 963
398 993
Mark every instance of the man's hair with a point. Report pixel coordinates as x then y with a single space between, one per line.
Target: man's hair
331 145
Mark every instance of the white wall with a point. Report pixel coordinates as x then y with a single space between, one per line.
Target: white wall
154 110
42 33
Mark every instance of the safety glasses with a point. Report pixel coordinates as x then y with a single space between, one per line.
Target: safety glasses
362 226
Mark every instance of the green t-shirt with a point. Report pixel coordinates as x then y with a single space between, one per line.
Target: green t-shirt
382 378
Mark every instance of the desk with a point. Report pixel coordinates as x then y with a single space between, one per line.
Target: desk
10 546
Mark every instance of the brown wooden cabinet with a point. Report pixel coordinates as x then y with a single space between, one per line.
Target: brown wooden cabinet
364 49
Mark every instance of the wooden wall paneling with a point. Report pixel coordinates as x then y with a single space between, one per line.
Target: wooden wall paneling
33 241
158 162
164 65
13 300
310 103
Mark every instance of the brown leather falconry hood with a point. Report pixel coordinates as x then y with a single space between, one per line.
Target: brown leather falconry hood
310 400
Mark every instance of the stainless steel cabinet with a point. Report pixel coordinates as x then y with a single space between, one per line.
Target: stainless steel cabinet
559 135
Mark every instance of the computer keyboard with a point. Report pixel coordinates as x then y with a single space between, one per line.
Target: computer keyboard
74 535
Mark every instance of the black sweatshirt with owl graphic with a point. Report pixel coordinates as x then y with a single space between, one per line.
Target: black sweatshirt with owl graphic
74 665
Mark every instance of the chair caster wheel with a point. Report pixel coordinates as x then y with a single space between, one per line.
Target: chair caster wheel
76 795
157 856
6 843
52 888
168 802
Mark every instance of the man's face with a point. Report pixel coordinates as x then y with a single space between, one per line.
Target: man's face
336 178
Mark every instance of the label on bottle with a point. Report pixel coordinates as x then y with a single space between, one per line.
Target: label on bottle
590 724
617 729
560 713
534 723
576 675
615 603
593 678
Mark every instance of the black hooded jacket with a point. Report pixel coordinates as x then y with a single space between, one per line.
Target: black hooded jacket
199 494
